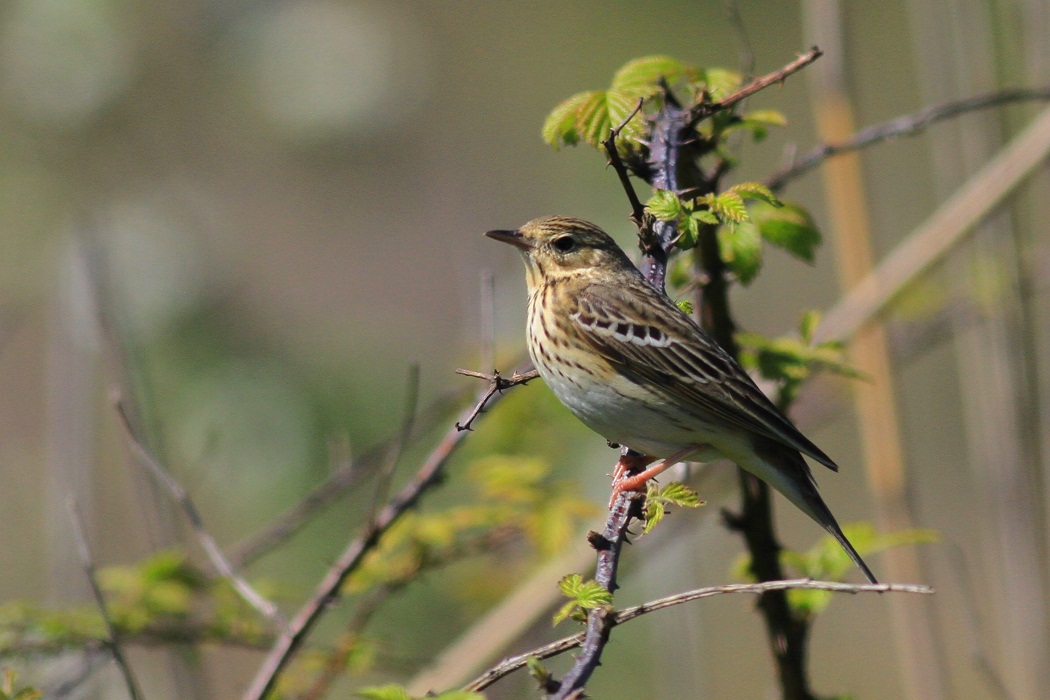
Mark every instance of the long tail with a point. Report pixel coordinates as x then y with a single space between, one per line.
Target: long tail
784 469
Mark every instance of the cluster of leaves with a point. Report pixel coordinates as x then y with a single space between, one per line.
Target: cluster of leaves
742 217
791 360
827 561
587 117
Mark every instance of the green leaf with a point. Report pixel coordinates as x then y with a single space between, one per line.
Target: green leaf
729 206
665 205
641 77
756 190
592 119
583 595
788 226
706 216
657 499
741 248
559 129
685 305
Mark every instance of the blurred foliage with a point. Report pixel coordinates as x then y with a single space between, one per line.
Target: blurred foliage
791 361
10 690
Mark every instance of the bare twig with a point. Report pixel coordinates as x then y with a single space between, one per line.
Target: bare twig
207 542
706 109
386 472
907 125
100 599
328 590
613 619
637 210
497 384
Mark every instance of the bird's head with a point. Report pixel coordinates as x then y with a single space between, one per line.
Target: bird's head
559 246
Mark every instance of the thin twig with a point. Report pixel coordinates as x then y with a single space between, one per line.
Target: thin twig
907 125
207 542
706 109
100 600
386 472
327 591
613 619
497 384
637 210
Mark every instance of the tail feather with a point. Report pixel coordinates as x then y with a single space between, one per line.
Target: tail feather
784 469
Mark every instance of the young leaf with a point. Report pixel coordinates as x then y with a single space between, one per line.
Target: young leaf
657 499
685 305
756 190
728 206
664 205
641 77
583 595
788 226
560 127
808 325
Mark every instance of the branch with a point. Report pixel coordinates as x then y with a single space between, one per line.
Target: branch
207 542
428 475
706 109
907 125
497 384
608 544
637 210
100 600
560 646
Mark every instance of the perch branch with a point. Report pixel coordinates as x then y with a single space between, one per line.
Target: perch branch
512 663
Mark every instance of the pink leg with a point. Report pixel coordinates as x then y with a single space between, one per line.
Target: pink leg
636 481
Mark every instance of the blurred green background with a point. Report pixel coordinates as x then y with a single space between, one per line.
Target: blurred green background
276 209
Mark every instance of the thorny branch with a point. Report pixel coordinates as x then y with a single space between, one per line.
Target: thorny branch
612 619
673 163
497 384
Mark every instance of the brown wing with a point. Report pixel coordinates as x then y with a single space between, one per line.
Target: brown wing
675 356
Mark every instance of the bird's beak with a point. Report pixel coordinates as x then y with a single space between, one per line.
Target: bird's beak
513 237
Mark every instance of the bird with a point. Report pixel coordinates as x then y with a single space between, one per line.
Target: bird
636 369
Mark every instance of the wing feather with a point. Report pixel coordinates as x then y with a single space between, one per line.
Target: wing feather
676 357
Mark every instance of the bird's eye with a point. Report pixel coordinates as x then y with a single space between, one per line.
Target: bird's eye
564 244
